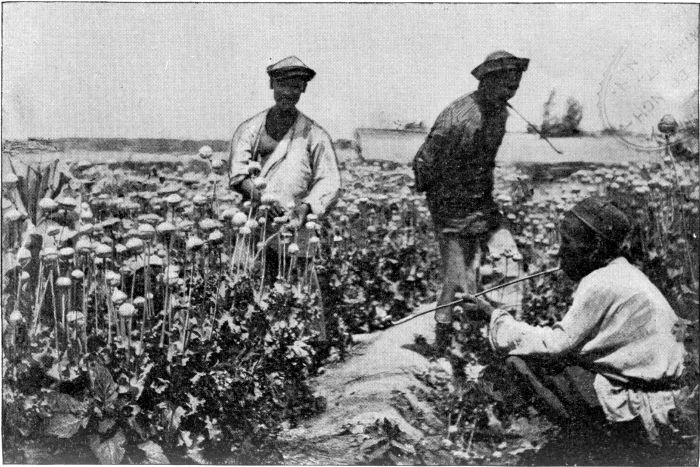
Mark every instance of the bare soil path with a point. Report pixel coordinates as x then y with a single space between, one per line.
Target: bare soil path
361 391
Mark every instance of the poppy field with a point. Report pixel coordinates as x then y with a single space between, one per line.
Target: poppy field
168 321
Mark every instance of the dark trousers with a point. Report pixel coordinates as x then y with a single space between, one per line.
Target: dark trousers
564 391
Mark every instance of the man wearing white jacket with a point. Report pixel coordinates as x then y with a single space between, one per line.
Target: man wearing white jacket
619 342
294 153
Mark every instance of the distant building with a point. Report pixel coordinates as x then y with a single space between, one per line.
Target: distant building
384 144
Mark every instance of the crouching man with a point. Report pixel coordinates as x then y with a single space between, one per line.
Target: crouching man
615 348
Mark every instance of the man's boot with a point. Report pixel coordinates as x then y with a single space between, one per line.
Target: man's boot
443 338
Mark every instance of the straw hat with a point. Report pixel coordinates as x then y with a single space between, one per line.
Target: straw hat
290 67
500 60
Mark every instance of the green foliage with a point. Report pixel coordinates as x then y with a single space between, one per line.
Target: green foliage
383 260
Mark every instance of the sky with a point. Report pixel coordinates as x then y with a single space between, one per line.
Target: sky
198 70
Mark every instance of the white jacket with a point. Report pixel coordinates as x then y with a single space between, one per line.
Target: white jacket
622 325
302 169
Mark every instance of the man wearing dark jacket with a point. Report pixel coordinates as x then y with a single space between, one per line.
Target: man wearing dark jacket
455 169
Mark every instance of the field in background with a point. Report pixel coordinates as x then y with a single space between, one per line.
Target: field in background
399 147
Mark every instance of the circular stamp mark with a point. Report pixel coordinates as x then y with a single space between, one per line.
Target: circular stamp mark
646 81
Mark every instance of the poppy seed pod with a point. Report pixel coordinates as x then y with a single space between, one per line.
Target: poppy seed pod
199 199
314 240
118 297
168 189
48 204
194 243
49 254
63 282
110 223
229 213
134 245
66 202
173 199
24 256
293 249
15 317
86 228
67 252
77 274
75 317
113 278
155 203
24 276
205 152
247 205
139 301
129 205
216 237
668 125
146 231
127 310
103 251
184 224
268 198
239 219
165 228
173 278
209 224
286 236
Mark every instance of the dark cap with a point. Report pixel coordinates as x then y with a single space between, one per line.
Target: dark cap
603 218
500 60
290 67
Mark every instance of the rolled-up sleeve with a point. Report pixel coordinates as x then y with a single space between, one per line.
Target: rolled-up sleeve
241 152
519 338
325 186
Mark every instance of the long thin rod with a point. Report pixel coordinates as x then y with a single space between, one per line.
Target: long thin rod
455 302
534 128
